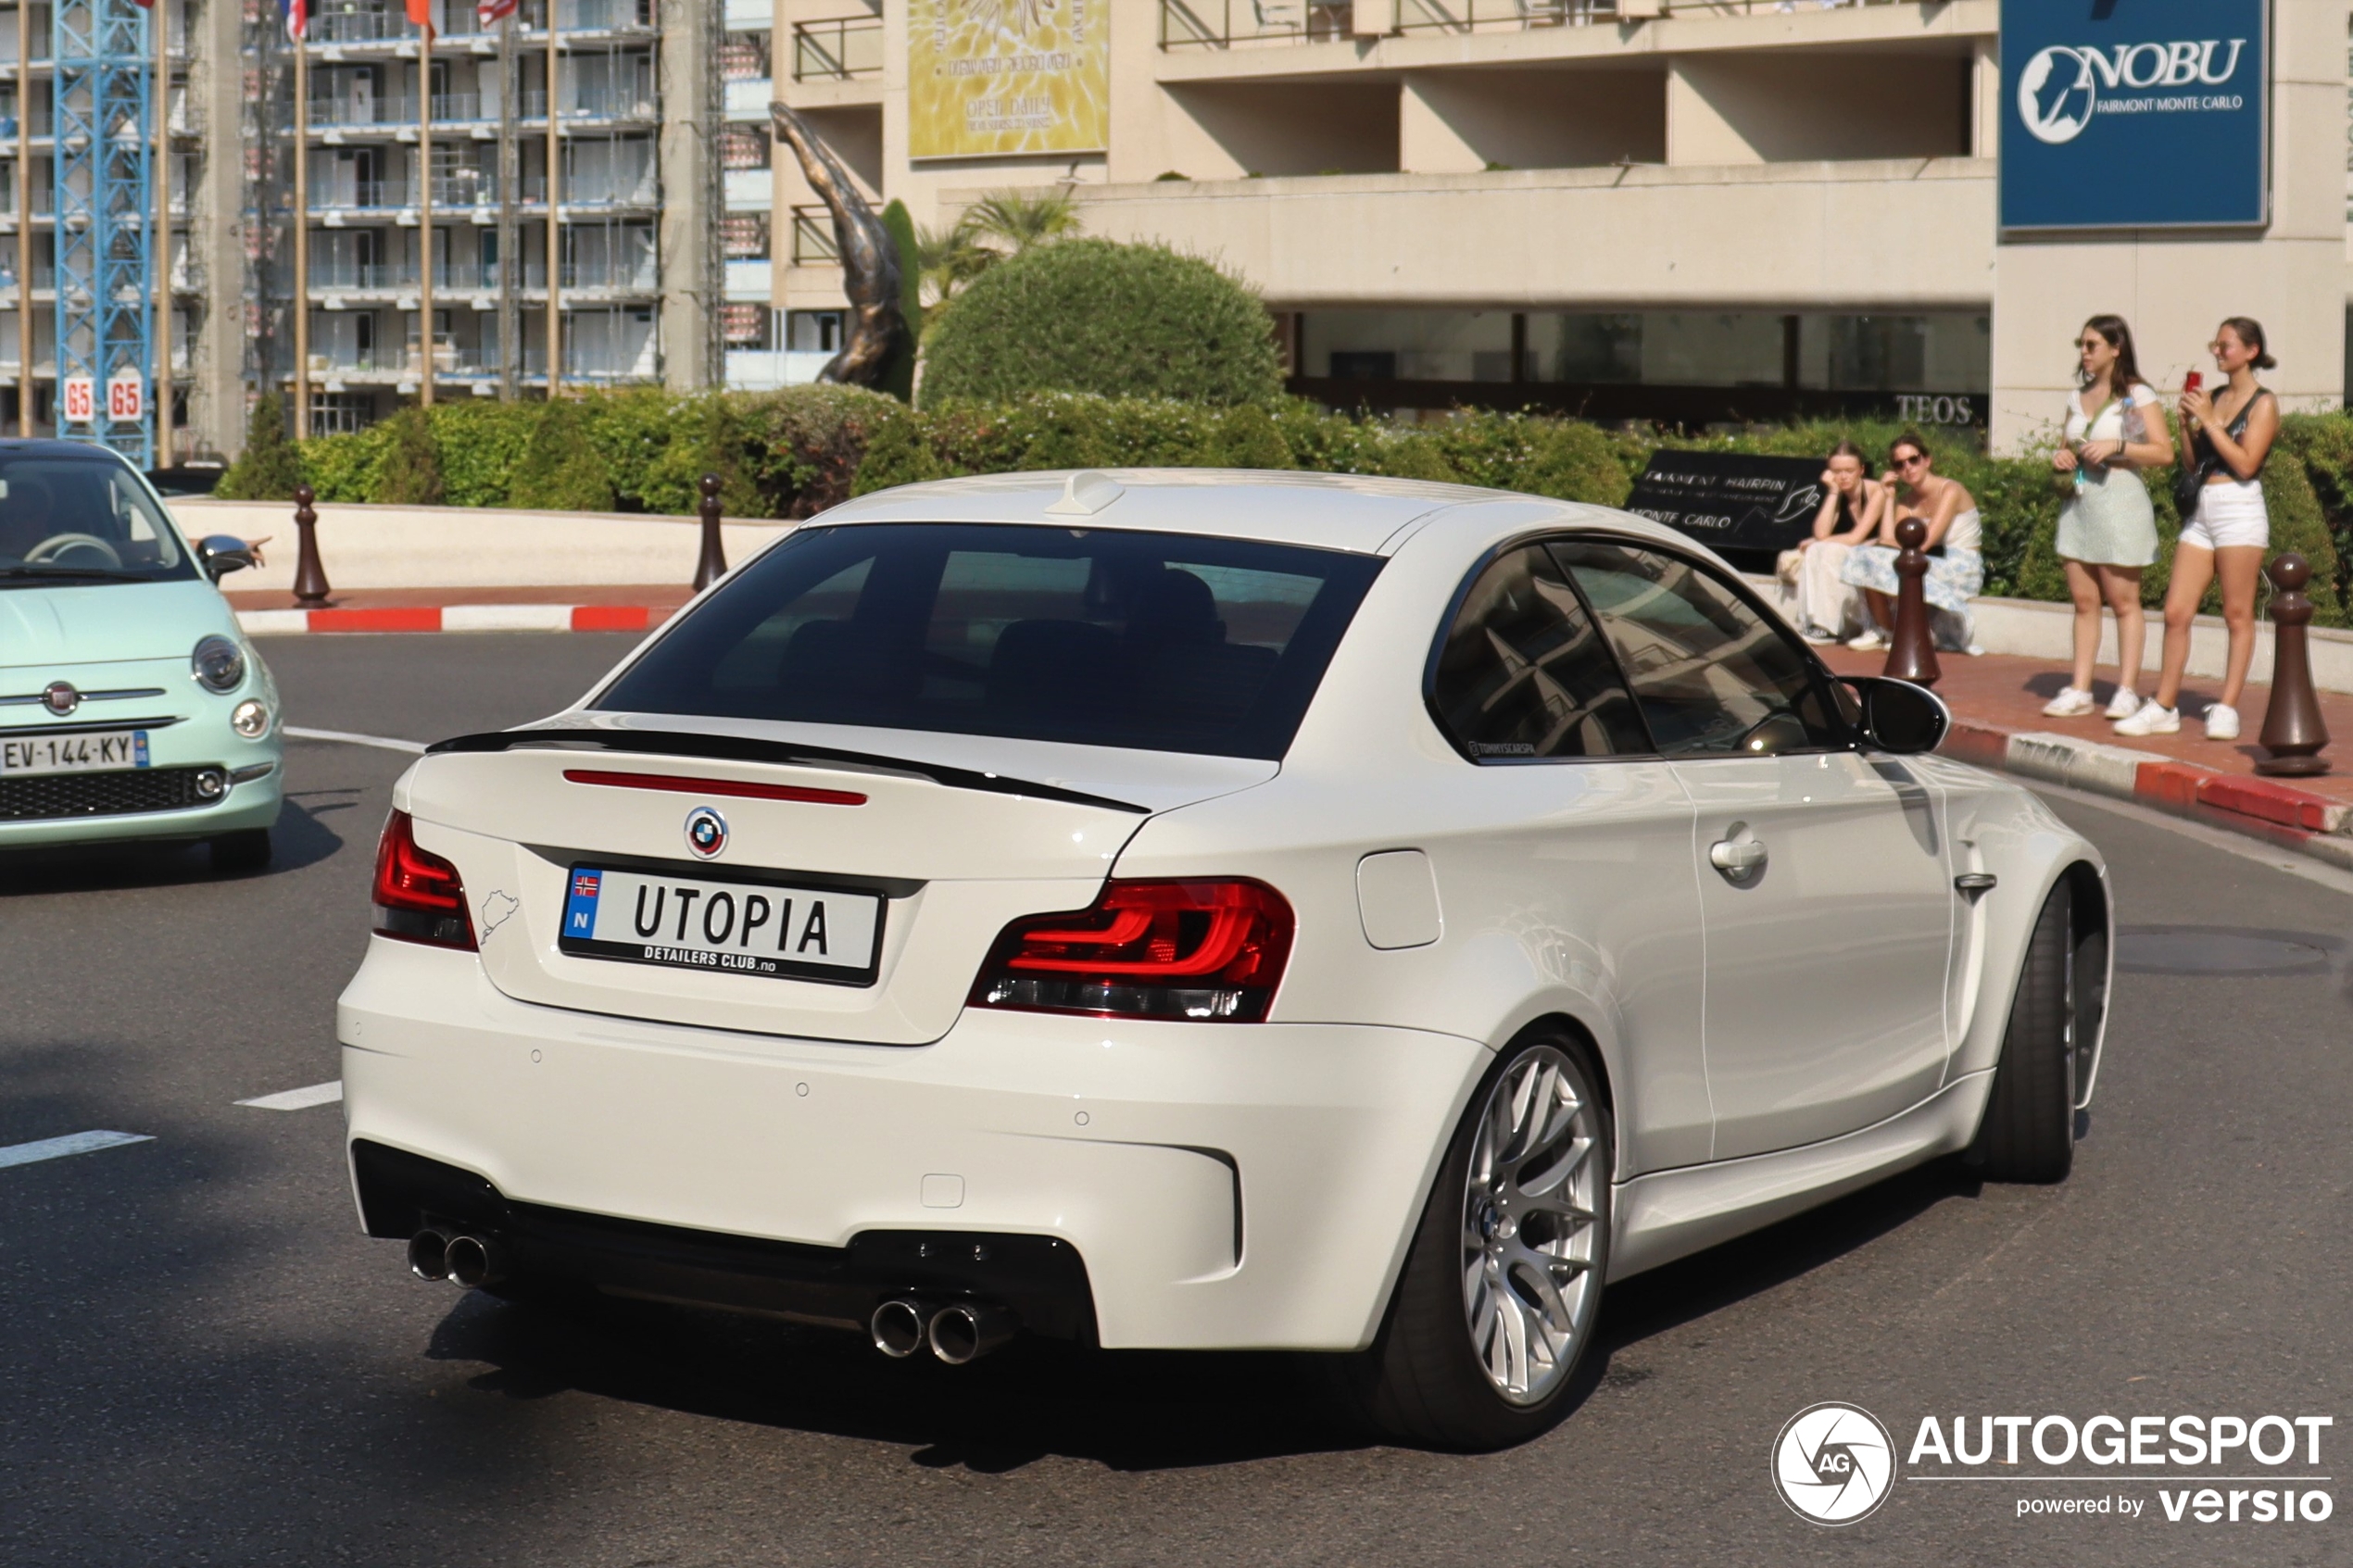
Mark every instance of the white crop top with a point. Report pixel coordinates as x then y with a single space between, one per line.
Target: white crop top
2109 426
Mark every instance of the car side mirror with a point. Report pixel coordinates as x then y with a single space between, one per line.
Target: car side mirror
222 553
1899 717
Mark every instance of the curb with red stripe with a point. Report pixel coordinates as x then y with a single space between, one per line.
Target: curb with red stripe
2292 818
457 617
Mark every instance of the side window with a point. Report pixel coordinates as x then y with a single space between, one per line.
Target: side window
1524 675
1713 678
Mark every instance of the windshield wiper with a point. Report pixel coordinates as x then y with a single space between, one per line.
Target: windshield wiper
97 573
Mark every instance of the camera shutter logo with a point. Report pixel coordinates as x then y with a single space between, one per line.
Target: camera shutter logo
1833 1463
706 833
2058 93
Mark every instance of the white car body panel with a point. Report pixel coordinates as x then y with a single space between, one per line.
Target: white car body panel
1764 1049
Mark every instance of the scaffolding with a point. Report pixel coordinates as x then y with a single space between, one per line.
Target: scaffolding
105 249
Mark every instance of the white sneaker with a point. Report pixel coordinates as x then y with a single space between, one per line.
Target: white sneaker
2125 704
2151 720
1818 637
1869 642
2221 721
2073 702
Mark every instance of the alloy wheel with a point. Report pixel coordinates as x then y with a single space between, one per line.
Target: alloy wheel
1531 1205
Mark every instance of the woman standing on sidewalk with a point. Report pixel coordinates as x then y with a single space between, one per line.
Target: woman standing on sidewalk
1853 504
2231 434
1956 567
2107 530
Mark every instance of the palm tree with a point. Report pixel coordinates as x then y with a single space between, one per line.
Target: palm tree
1017 220
947 258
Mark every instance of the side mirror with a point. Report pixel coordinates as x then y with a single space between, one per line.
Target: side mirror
220 554
1899 717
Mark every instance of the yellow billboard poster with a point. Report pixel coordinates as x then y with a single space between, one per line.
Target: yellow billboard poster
987 78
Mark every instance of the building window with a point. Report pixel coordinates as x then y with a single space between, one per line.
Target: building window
744 236
814 331
743 56
341 413
743 147
744 326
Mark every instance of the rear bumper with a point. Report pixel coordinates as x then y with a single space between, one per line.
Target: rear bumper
1220 1185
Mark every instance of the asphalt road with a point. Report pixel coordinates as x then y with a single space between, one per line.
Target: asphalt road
203 1361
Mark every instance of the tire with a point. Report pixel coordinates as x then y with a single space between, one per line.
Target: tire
1443 1372
235 854
2029 1131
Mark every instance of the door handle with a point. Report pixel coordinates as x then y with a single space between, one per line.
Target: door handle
1738 858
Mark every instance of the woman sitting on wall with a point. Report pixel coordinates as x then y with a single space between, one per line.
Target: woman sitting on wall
1956 567
1813 595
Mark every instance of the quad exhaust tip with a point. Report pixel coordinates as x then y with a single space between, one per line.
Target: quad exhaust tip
957 1333
969 1330
465 1261
898 1326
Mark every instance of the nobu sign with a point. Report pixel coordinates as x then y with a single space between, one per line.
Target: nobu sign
1747 509
2144 114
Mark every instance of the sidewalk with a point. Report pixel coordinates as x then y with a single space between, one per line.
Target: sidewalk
1998 722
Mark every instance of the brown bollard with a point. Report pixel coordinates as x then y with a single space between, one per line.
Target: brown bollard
1911 656
714 565
310 588
2293 730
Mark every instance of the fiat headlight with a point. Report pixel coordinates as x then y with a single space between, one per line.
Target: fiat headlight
219 664
251 719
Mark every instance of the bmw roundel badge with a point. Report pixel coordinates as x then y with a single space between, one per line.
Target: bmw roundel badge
706 833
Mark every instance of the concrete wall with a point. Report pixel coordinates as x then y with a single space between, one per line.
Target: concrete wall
1460 121
1796 108
454 547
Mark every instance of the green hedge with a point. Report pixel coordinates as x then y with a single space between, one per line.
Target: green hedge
791 453
786 454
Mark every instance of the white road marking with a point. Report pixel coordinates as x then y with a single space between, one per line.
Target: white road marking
414 747
73 1143
297 1099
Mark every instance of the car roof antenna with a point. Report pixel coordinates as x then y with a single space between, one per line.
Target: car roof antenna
1087 493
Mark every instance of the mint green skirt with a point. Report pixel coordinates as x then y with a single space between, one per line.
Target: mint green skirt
2109 520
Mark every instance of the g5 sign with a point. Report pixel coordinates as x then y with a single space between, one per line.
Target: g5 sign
2147 115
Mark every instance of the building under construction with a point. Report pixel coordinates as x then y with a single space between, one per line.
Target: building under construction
450 226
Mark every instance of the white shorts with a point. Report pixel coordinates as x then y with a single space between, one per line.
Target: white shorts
2230 515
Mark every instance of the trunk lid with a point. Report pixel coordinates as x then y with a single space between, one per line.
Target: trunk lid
947 837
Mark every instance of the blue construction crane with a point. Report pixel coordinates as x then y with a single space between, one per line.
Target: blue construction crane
105 216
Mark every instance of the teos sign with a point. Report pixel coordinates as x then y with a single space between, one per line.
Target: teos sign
2144 116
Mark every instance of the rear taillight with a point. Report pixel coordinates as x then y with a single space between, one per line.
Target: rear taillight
1206 950
417 896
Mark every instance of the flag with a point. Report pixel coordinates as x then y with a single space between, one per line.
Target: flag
486 14
421 12
297 17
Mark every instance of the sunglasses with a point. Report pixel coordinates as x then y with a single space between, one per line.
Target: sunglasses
1916 460
2087 345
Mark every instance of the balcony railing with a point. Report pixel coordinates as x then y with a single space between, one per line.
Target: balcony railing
1221 24
813 238
605 104
367 24
466 188
837 50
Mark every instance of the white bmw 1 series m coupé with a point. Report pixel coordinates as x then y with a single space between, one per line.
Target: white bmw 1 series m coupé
1194 910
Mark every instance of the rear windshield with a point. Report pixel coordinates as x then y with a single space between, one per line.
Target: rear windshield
74 518
1156 641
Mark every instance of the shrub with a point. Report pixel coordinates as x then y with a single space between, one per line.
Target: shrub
410 471
271 465
1096 316
562 470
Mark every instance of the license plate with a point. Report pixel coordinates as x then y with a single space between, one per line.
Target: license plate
21 756
772 929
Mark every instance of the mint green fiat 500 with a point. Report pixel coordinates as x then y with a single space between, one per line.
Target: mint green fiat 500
131 706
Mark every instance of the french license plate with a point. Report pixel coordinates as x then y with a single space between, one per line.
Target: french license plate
730 926
104 753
